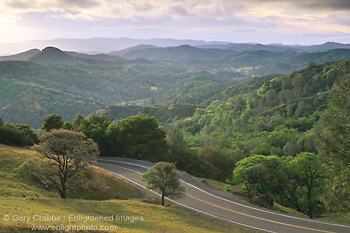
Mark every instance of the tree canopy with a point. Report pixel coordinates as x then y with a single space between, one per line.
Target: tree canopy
335 147
163 178
138 137
66 156
53 121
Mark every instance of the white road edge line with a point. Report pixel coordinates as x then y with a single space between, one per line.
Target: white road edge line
236 203
227 220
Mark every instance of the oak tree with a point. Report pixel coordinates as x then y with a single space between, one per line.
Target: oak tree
163 178
66 155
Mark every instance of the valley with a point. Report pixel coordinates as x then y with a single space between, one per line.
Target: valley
254 117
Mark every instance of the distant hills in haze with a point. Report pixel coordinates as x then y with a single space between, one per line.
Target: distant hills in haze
256 59
108 45
52 55
95 45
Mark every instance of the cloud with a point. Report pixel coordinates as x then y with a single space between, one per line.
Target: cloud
179 9
182 18
218 9
71 16
313 4
40 5
81 3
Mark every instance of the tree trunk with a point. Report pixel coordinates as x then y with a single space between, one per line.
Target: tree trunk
64 190
310 212
162 199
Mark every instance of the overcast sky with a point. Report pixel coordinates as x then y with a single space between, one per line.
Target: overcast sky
262 21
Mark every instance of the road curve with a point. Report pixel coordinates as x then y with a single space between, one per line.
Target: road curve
211 204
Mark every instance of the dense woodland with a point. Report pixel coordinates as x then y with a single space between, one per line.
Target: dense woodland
52 81
30 91
283 138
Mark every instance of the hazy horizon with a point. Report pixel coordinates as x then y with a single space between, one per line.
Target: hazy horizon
178 39
256 21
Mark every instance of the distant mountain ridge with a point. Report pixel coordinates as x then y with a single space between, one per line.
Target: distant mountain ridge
52 55
258 62
107 45
94 45
24 56
181 53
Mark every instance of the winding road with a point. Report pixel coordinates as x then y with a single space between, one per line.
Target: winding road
214 204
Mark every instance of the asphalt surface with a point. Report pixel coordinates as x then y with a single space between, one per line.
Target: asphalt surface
210 203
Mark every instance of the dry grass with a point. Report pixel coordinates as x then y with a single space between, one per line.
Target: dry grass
22 196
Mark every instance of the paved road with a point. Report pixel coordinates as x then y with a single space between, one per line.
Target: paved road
210 203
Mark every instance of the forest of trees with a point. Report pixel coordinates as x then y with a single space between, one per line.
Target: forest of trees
291 132
282 138
29 92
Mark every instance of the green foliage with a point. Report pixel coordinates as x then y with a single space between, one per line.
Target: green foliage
311 64
28 99
186 159
94 127
163 178
306 183
197 92
17 135
138 137
192 163
223 163
270 120
165 114
296 182
176 144
31 91
28 131
335 146
262 176
53 121
281 118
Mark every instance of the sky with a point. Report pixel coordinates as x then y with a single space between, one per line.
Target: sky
259 21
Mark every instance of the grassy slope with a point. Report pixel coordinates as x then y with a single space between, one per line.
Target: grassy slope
19 195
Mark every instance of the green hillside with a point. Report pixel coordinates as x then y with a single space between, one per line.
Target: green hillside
29 91
276 118
165 114
260 60
69 83
268 136
299 61
107 195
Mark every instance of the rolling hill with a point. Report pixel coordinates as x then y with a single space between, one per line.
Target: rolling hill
68 83
104 195
259 60
24 56
52 55
29 92
270 115
181 53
